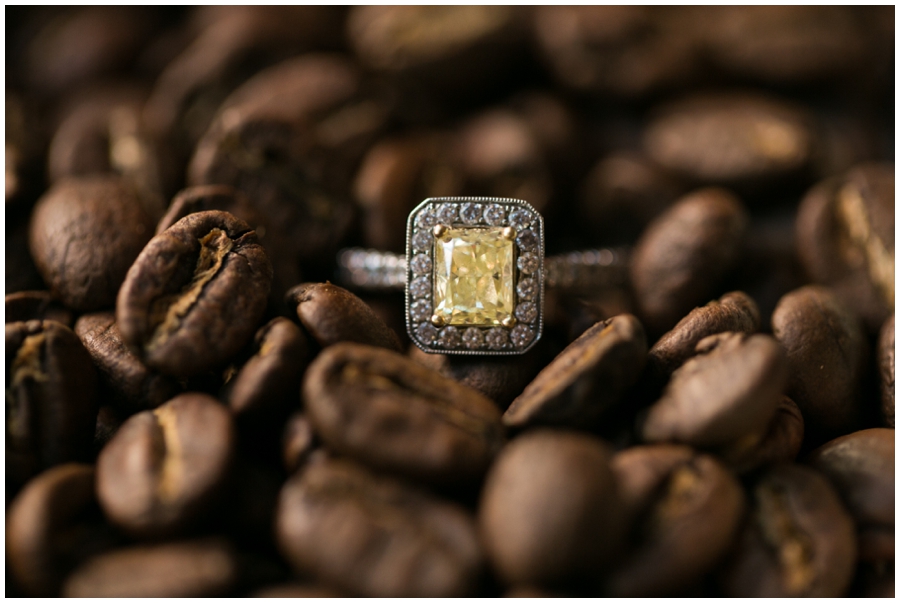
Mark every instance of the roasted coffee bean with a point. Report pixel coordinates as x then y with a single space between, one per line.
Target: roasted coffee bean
735 312
372 536
191 568
52 526
885 369
299 441
861 467
51 398
727 392
125 381
164 469
845 239
392 414
683 254
687 509
779 443
533 534
84 234
798 540
826 350
23 306
331 314
587 380
195 294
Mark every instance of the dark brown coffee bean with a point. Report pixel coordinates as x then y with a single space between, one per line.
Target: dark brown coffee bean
587 380
549 511
683 254
845 239
193 568
164 469
825 350
195 294
53 525
728 391
84 235
861 467
372 536
885 369
738 140
735 312
125 381
687 509
779 443
390 413
798 541
331 314
51 398
298 443
23 306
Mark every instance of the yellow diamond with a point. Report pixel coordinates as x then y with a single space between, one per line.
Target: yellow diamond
473 276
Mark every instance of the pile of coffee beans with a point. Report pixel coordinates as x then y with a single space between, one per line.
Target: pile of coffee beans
196 405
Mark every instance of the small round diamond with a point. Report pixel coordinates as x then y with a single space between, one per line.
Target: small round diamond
420 310
426 333
520 218
526 311
447 214
420 286
527 263
473 338
527 240
421 264
471 212
496 338
495 214
527 289
426 218
449 337
521 336
422 240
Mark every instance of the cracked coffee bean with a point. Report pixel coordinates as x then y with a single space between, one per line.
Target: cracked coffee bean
886 370
195 295
779 443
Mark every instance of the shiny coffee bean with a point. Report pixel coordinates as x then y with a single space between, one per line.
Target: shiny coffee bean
779 443
51 398
885 359
533 533
392 414
728 391
587 380
164 469
23 306
826 350
84 234
373 536
195 294
798 541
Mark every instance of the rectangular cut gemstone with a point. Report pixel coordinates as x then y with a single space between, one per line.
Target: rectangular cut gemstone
473 276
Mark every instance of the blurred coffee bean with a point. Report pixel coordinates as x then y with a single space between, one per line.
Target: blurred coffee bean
587 380
25 141
292 590
798 541
108 422
125 381
861 467
84 234
728 391
22 306
746 141
779 443
687 509
534 534
195 294
826 352
53 525
373 536
246 511
191 568
845 239
735 312
874 581
392 414
331 314
164 469
683 254
298 442
51 398
885 359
